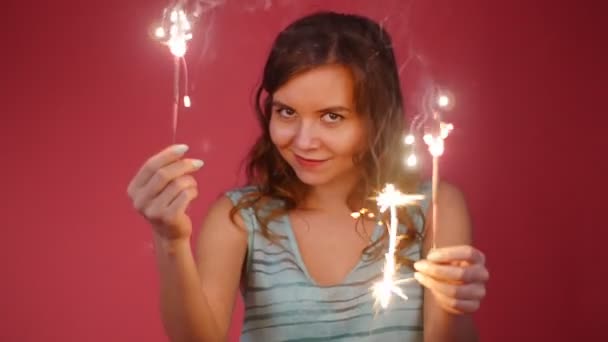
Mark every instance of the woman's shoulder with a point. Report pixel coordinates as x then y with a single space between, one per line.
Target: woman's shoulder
252 197
445 188
449 195
236 193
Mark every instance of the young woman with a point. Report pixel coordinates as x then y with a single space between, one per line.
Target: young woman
331 114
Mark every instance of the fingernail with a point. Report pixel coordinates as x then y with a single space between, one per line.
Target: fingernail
180 149
420 265
434 256
419 276
197 163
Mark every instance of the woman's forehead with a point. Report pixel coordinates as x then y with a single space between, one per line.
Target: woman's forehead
325 86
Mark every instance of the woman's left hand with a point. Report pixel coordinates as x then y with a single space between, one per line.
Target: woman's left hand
456 276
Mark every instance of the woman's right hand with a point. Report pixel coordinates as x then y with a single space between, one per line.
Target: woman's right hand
162 190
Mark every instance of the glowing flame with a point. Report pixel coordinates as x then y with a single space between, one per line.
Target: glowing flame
436 143
412 160
160 33
443 101
179 33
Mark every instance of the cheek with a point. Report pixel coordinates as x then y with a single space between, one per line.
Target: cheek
281 135
350 142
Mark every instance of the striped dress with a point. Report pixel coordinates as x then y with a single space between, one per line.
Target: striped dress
283 303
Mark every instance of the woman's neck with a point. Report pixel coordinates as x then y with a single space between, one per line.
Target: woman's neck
332 196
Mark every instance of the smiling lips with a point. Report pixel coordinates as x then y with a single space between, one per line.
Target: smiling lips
309 163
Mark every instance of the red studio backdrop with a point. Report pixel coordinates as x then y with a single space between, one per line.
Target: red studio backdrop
86 98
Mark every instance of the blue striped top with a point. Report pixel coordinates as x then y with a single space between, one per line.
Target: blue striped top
282 303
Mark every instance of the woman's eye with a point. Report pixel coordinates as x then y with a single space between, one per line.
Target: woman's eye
332 117
285 112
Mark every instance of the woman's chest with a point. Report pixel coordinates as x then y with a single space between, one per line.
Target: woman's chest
286 306
330 248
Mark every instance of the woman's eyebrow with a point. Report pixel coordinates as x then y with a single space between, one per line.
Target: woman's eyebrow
276 103
335 109
332 109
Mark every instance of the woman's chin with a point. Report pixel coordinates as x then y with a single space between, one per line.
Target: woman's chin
313 178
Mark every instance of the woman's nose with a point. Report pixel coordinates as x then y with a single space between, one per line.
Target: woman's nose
307 136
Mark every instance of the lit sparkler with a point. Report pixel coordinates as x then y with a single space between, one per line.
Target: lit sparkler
391 198
175 31
436 146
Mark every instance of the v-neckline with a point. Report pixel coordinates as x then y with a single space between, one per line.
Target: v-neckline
300 260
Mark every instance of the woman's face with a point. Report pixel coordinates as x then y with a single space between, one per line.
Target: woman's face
315 127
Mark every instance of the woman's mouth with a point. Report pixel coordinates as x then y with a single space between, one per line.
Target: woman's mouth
309 163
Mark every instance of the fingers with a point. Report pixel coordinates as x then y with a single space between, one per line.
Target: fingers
181 202
171 204
463 253
455 274
456 306
175 189
162 190
156 162
472 291
162 178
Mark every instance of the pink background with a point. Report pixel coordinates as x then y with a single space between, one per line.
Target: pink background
86 98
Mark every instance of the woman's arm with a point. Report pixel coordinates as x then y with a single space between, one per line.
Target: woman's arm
198 293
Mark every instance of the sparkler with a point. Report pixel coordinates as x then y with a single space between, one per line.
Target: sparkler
392 198
435 142
175 31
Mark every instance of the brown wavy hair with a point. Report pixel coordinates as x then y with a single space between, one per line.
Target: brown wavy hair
366 49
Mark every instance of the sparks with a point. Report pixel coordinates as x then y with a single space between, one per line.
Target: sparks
179 32
412 160
443 101
409 139
391 198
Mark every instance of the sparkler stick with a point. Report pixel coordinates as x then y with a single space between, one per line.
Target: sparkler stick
436 147
176 22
